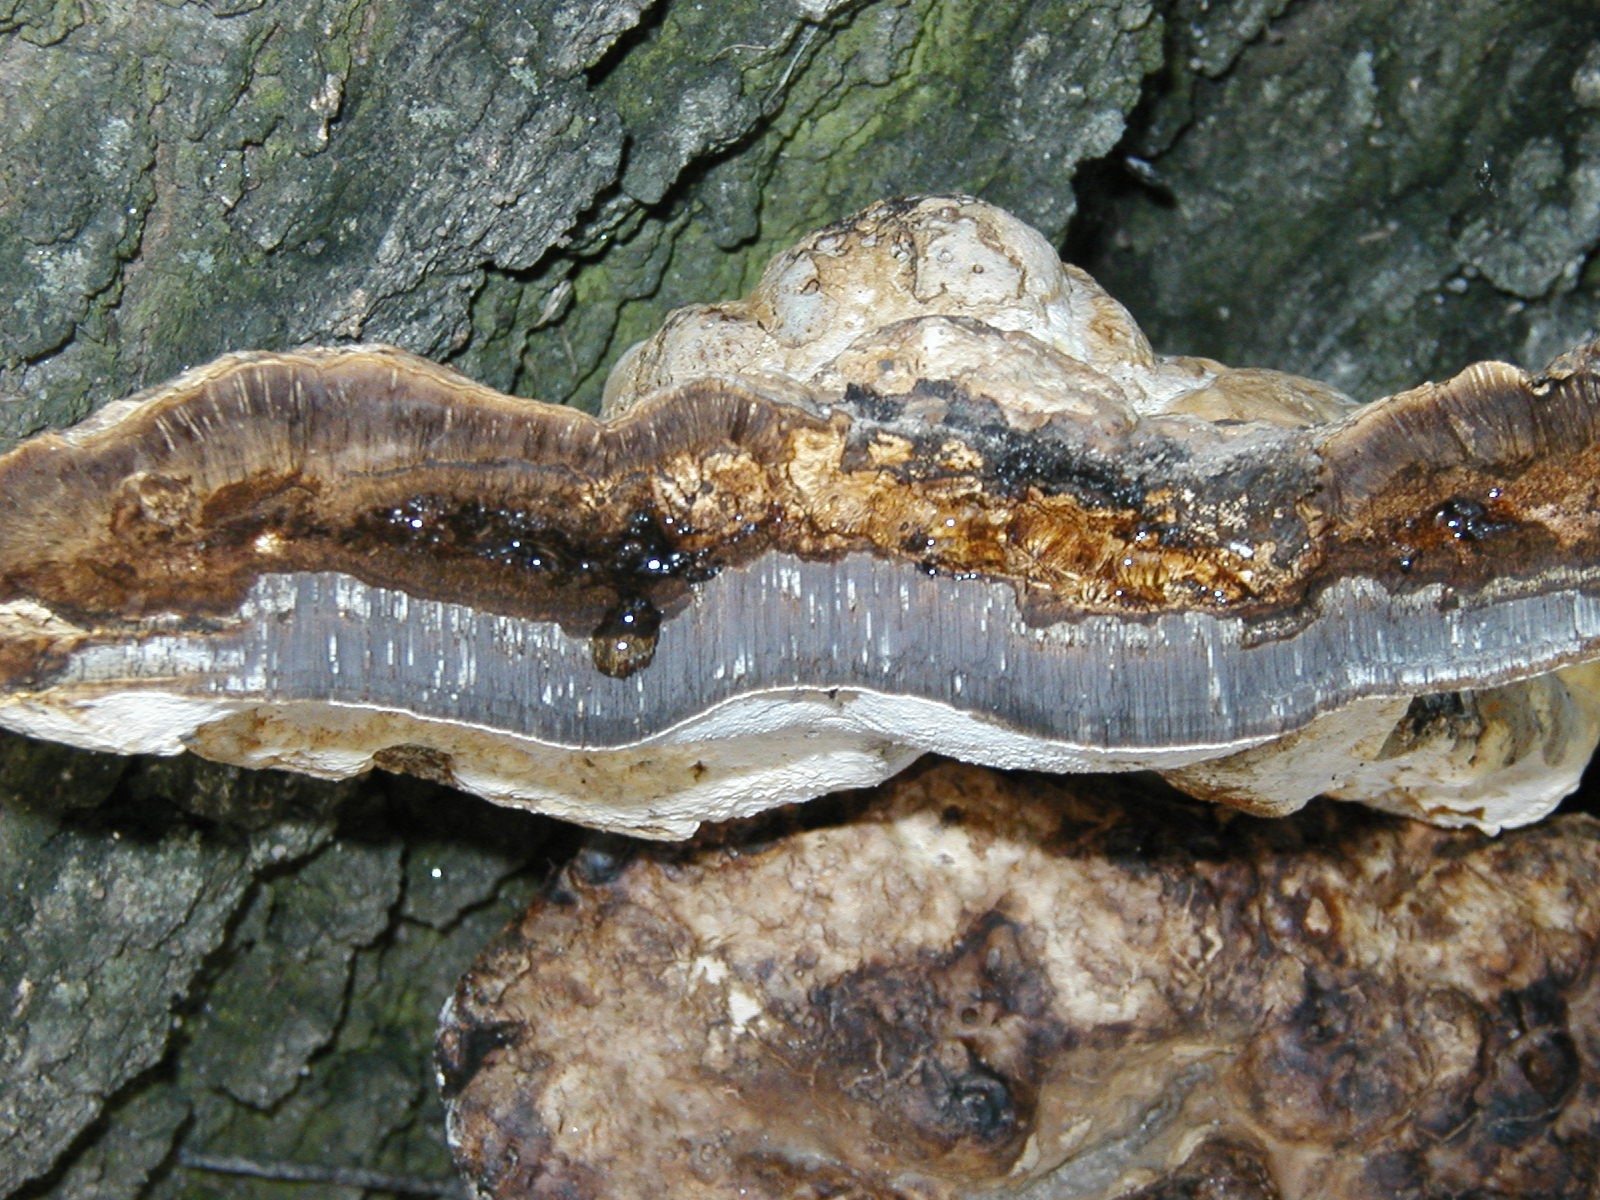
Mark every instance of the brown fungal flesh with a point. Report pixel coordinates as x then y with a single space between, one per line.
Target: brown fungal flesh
926 488
976 984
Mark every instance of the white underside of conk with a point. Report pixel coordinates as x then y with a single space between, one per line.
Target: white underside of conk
755 752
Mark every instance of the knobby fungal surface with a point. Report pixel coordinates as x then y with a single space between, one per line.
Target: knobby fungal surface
926 487
977 984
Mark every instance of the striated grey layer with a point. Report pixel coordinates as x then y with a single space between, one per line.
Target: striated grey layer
1115 688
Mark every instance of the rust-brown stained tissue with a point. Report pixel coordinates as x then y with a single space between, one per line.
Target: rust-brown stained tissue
925 488
968 983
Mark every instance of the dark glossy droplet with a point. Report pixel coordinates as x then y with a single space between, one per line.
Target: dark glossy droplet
625 641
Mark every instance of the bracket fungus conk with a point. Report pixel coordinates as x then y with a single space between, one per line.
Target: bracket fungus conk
925 488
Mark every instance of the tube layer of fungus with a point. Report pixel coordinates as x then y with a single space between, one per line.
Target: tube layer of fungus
925 488
977 984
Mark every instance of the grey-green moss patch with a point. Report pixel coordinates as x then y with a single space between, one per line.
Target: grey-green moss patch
107 916
1375 195
182 180
202 965
428 878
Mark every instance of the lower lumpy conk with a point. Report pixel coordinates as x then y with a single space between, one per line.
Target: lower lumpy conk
971 984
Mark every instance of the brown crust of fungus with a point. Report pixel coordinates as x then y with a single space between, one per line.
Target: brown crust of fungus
972 984
385 467
1492 478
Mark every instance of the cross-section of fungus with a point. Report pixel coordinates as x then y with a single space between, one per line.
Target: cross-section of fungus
925 488
974 984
